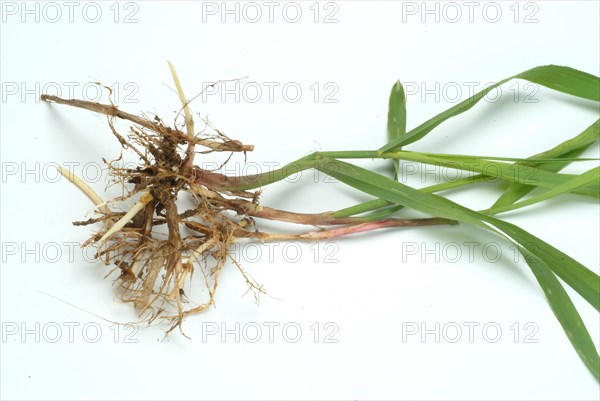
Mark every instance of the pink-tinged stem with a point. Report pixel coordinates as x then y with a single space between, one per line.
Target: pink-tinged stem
347 230
323 219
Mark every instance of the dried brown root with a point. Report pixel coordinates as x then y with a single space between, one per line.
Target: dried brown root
155 125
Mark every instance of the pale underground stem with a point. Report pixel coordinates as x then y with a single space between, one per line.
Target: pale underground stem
139 206
189 124
85 188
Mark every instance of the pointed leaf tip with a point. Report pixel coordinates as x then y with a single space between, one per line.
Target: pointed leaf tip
396 117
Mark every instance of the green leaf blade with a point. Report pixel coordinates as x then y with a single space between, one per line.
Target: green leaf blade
567 314
589 177
513 172
570 148
396 126
577 276
563 79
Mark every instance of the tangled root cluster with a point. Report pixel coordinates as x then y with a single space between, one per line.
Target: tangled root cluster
155 265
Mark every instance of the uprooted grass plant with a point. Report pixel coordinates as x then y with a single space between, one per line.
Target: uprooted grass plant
156 246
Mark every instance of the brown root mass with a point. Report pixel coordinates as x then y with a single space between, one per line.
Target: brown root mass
154 270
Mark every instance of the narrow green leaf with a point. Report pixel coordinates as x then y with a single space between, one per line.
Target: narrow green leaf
543 259
526 162
566 80
567 314
576 275
562 79
567 150
591 176
580 278
396 127
393 191
570 148
514 172
362 207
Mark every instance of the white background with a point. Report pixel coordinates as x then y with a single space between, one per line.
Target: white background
374 290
